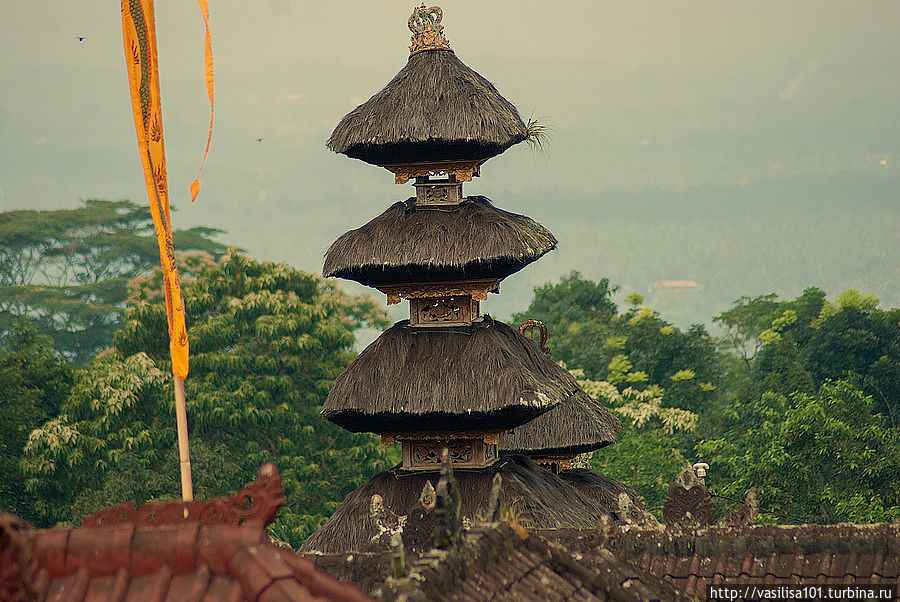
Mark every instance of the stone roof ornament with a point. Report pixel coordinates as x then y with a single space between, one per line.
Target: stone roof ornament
428 33
701 468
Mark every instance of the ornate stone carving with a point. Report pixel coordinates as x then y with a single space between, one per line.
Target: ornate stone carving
462 171
553 463
477 289
437 192
461 452
442 311
428 33
688 503
255 504
424 454
491 437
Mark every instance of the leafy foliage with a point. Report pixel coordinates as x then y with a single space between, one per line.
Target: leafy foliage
823 457
806 341
636 348
267 342
67 269
33 380
649 451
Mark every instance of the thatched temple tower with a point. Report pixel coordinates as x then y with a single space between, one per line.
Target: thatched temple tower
450 381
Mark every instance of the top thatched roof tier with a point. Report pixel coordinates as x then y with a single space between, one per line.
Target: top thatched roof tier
485 376
435 109
414 243
578 425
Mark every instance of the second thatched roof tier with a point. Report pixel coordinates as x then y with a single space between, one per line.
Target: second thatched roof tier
435 109
485 376
414 243
578 425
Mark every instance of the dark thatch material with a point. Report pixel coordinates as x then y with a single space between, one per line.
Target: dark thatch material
485 376
602 489
536 498
434 109
576 426
409 243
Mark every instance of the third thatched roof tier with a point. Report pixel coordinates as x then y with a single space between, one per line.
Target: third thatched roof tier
435 109
485 376
578 425
414 243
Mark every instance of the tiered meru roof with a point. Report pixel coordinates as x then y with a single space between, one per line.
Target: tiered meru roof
485 376
577 425
436 108
412 243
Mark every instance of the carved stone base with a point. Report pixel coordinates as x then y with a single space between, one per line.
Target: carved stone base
425 454
438 192
443 311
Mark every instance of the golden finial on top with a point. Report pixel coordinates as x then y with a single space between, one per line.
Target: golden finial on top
425 23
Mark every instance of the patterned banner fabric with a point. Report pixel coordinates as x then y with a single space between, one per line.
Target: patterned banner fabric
208 72
139 34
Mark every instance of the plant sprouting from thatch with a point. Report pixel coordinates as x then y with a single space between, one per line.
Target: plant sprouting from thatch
538 134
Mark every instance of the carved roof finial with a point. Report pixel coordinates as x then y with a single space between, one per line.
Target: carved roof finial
428 33
447 508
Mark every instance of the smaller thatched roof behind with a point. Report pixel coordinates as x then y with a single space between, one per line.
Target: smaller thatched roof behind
578 425
435 109
411 243
536 498
485 376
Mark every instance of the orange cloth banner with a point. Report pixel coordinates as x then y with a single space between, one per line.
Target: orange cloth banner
208 72
139 34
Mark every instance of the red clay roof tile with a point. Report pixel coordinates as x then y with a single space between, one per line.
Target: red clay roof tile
190 586
50 550
223 589
184 559
104 550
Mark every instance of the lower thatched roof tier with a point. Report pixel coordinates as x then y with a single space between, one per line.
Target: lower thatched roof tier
435 109
602 489
537 498
578 425
485 376
412 243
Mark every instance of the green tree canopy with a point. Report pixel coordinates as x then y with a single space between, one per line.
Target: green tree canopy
635 348
67 269
33 382
802 343
822 457
653 445
267 341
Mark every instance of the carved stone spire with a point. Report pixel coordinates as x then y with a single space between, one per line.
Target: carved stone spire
448 507
428 33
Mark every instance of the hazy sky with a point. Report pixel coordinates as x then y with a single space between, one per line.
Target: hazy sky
667 95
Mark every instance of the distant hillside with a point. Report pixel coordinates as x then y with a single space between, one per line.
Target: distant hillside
780 236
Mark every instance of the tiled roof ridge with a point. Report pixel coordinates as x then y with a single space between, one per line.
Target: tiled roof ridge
254 505
219 552
808 537
443 570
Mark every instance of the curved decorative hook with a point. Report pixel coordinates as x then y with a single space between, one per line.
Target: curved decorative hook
530 325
